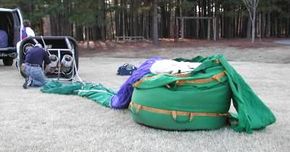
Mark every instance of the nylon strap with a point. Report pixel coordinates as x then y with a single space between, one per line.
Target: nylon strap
174 113
216 77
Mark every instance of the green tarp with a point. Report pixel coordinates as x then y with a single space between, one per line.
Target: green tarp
251 114
95 92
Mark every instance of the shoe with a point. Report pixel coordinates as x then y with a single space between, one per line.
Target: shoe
27 83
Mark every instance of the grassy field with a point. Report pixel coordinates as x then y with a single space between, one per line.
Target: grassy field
34 121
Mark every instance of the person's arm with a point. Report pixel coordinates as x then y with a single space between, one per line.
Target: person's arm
27 57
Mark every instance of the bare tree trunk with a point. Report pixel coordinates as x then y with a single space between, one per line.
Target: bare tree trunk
46 26
264 24
123 21
112 26
172 21
260 26
249 28
268 33
252 7
253 25
275 26
144 25
155 23
103 27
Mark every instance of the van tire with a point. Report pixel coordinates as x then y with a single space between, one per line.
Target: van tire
8 61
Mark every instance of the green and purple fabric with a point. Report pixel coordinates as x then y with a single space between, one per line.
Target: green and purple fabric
123 97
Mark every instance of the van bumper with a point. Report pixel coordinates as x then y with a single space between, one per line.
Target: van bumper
8 52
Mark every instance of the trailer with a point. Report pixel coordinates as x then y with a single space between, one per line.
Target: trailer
62 50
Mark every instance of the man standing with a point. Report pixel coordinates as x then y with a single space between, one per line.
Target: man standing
34 59
27 31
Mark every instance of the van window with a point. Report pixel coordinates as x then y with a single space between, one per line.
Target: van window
7 24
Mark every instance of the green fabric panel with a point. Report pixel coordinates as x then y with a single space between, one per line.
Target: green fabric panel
95 92
252 113
61 88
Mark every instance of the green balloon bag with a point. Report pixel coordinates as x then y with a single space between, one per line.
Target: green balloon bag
199 100
183 101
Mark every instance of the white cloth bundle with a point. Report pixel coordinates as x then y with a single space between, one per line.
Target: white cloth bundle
173 67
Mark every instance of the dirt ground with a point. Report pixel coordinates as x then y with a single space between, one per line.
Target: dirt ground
266 50
34 121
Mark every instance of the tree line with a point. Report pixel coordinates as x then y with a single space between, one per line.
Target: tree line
153 19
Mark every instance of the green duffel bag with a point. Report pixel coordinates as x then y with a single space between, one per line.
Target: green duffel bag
199 100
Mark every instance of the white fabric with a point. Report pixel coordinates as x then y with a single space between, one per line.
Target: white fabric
173 67
38 45
29 32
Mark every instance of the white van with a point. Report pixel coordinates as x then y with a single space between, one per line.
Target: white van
12 23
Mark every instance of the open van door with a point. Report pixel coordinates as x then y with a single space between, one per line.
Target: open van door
18 25
10 22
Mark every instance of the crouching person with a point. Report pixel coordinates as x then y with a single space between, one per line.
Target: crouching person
32 67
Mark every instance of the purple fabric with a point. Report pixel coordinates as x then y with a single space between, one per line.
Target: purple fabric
24 34
123 97
3 39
